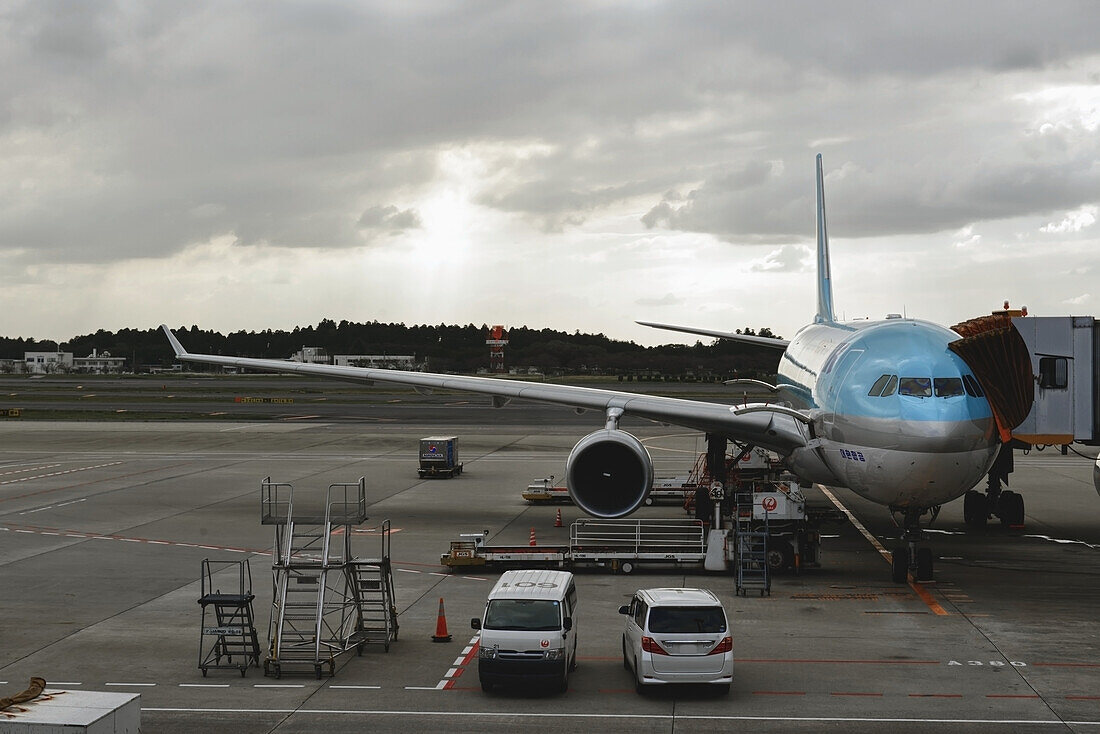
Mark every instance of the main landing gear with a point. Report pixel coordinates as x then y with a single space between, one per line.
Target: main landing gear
913 557
1007 505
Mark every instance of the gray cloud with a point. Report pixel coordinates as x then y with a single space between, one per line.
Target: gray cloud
136 130
389 219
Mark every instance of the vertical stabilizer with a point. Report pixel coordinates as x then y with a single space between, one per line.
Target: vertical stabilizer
824 275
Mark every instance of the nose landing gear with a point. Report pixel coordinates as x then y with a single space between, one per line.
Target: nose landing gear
912 557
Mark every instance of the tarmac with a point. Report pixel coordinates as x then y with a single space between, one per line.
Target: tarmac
104 525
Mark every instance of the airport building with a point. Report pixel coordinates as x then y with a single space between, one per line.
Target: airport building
49 363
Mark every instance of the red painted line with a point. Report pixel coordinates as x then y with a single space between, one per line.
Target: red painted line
458 673
935 695
1010 695
852 693
779 693
1066 665
473 651
836 662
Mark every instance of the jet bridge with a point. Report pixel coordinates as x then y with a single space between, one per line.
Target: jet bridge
1065 359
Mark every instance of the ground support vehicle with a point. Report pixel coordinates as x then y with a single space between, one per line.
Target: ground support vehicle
439 457
620 545
792 525
528 630
666 490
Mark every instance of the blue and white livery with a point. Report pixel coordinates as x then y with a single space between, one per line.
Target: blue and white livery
881 407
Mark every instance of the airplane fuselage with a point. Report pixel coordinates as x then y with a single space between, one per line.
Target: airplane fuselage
898 417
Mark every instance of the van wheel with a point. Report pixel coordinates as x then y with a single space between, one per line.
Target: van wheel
486 685
724 689
639 687
626 662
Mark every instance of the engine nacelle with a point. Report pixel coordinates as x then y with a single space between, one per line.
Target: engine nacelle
609 473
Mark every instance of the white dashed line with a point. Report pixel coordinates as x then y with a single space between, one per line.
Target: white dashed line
366 688
278 685
143 685
204 685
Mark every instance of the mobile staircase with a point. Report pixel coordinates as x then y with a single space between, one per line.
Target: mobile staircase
325 602
752 548
228 622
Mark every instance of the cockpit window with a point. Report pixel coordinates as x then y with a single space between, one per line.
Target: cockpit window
948 387
880 383
918 387
884 386
973 389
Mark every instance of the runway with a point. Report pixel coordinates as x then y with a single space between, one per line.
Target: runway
103 526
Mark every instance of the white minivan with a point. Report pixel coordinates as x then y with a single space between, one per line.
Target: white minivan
528 630
677 636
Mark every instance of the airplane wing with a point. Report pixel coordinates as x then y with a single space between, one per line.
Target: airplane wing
773 427
761 341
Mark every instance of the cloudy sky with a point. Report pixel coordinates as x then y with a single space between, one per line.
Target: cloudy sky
252 165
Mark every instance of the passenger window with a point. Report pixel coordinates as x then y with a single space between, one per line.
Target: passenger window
948 387
891 386
1053 373
639 613
880 383
918 387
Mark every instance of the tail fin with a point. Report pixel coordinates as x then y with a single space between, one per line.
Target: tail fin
824 275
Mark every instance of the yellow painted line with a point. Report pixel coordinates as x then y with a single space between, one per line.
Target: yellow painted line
919 589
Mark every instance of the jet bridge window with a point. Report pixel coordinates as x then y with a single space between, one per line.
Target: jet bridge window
948 387
918 387
884 386
1053 373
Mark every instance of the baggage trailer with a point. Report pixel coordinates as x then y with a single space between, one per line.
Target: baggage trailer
439 457
666 490
620 545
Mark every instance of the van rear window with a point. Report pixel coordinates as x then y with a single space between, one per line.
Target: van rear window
670 620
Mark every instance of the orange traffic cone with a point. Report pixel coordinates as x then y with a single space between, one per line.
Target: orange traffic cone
441 634
557 520
532 541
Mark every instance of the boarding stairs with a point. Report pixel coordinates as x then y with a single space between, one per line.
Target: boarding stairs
228 639
374 593
752 548
318 609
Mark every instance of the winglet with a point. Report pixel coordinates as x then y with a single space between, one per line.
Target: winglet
180 351
824 275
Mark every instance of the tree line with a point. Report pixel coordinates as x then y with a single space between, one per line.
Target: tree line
446 348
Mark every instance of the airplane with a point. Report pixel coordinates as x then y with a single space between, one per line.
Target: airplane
885 408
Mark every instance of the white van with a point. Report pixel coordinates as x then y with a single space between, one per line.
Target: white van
528 631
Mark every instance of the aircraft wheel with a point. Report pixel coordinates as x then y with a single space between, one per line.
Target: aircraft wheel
975 509
1016 509
924 564
899 566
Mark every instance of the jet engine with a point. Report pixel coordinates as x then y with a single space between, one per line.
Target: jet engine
609 473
